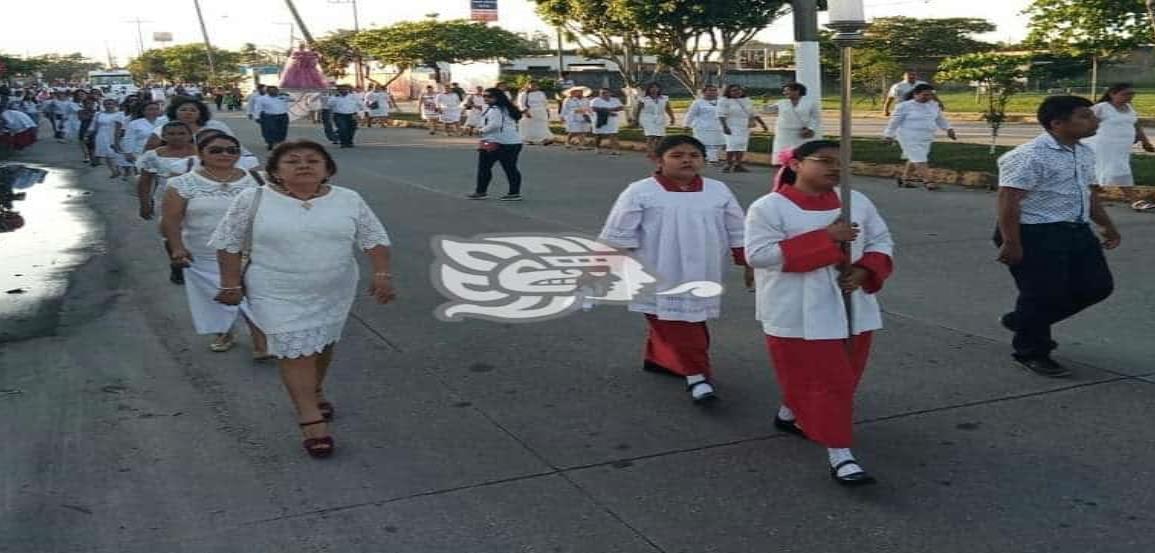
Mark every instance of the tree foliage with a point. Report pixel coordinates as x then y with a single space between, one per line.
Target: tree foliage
337 52
185 63
52 67
999 77
1102 28
429 42
601 33
926 42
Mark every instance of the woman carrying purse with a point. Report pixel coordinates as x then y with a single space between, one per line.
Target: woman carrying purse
500 143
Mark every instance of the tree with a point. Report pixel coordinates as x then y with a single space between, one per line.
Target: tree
874 68
185 63
998 76
429 42
685 34
601 33
926 42
57 67
1095 29
337 52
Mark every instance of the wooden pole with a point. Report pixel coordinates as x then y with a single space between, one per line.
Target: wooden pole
300 23
205 35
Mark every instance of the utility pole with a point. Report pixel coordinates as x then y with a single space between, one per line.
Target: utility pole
139 35
560 56
358 59
808 68
300 23
205 34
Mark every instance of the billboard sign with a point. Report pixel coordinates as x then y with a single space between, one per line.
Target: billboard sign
483 10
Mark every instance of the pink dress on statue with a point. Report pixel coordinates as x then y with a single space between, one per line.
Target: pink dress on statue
303 72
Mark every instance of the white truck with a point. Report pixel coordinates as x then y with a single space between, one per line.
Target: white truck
114 82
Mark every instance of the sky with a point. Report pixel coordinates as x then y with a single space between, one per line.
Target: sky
95 29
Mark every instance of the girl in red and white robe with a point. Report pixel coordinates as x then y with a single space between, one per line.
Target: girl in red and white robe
794 239
682 228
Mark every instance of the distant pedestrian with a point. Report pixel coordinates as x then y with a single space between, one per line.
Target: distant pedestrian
576 114
1119 131
737 115
702 117
194 204
534 105
299 233
794 240
914 125
607 115
688 229
899 91
106 130
799 120
379 103
429 110
474 105
1045 208
500 143
652 113
449 107
272 112
193 113
345 106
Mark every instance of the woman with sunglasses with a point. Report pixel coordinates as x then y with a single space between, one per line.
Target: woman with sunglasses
500 143
194 204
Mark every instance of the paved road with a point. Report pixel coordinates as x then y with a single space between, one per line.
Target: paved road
123 434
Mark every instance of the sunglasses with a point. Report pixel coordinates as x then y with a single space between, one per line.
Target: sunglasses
231 150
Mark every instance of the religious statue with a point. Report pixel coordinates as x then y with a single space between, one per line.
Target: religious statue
303 72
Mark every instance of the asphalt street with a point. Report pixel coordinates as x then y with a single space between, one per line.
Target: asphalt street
122 432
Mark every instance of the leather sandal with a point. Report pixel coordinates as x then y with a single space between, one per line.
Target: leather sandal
789 427
860 478
318 448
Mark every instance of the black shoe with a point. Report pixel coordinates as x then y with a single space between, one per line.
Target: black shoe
510 198
704 399
1043 366
651 367
176 275
1008 322
789 427
477 196
860 478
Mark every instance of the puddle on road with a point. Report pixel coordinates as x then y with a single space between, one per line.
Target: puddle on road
36 261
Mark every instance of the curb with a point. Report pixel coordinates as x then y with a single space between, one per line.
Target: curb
965 179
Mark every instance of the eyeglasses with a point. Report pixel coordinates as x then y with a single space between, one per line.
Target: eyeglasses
231 150
831 161
487 96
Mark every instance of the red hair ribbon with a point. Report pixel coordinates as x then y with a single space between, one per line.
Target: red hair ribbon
784 159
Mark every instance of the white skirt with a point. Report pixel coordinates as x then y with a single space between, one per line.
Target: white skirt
473 118
915 146
710 137
536 128
291 345
577 125
451 115
738 140
202 282
1112 160
653 127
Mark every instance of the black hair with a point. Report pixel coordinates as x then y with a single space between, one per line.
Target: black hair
1060 108
286 147
502 101
917 89
1115 89
204 139
801 88
177 103
174 124
807 149
646 91
138 109
729 87
674 140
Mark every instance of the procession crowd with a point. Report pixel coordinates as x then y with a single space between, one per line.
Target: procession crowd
275 248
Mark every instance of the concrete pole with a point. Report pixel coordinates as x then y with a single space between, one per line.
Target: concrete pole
808 68
208 45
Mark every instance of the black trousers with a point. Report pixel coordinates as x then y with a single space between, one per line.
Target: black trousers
327 125
274 128
346 127
506 155
1062 273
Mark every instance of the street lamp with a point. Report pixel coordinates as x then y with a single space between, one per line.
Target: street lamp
848 19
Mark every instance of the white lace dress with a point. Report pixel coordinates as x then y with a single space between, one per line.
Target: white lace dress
207 201
302 277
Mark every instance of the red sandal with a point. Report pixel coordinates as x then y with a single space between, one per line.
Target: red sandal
318 448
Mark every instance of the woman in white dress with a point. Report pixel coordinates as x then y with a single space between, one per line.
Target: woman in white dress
702 117
799 120
914 123
652 112
1119 130
736 114
429 109
193 113
380 104
449 106
607 114
575 111
176 156
474 106
138 131
194 204
302 277
534 126
105 130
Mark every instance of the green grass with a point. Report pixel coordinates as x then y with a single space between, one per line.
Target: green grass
945 155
